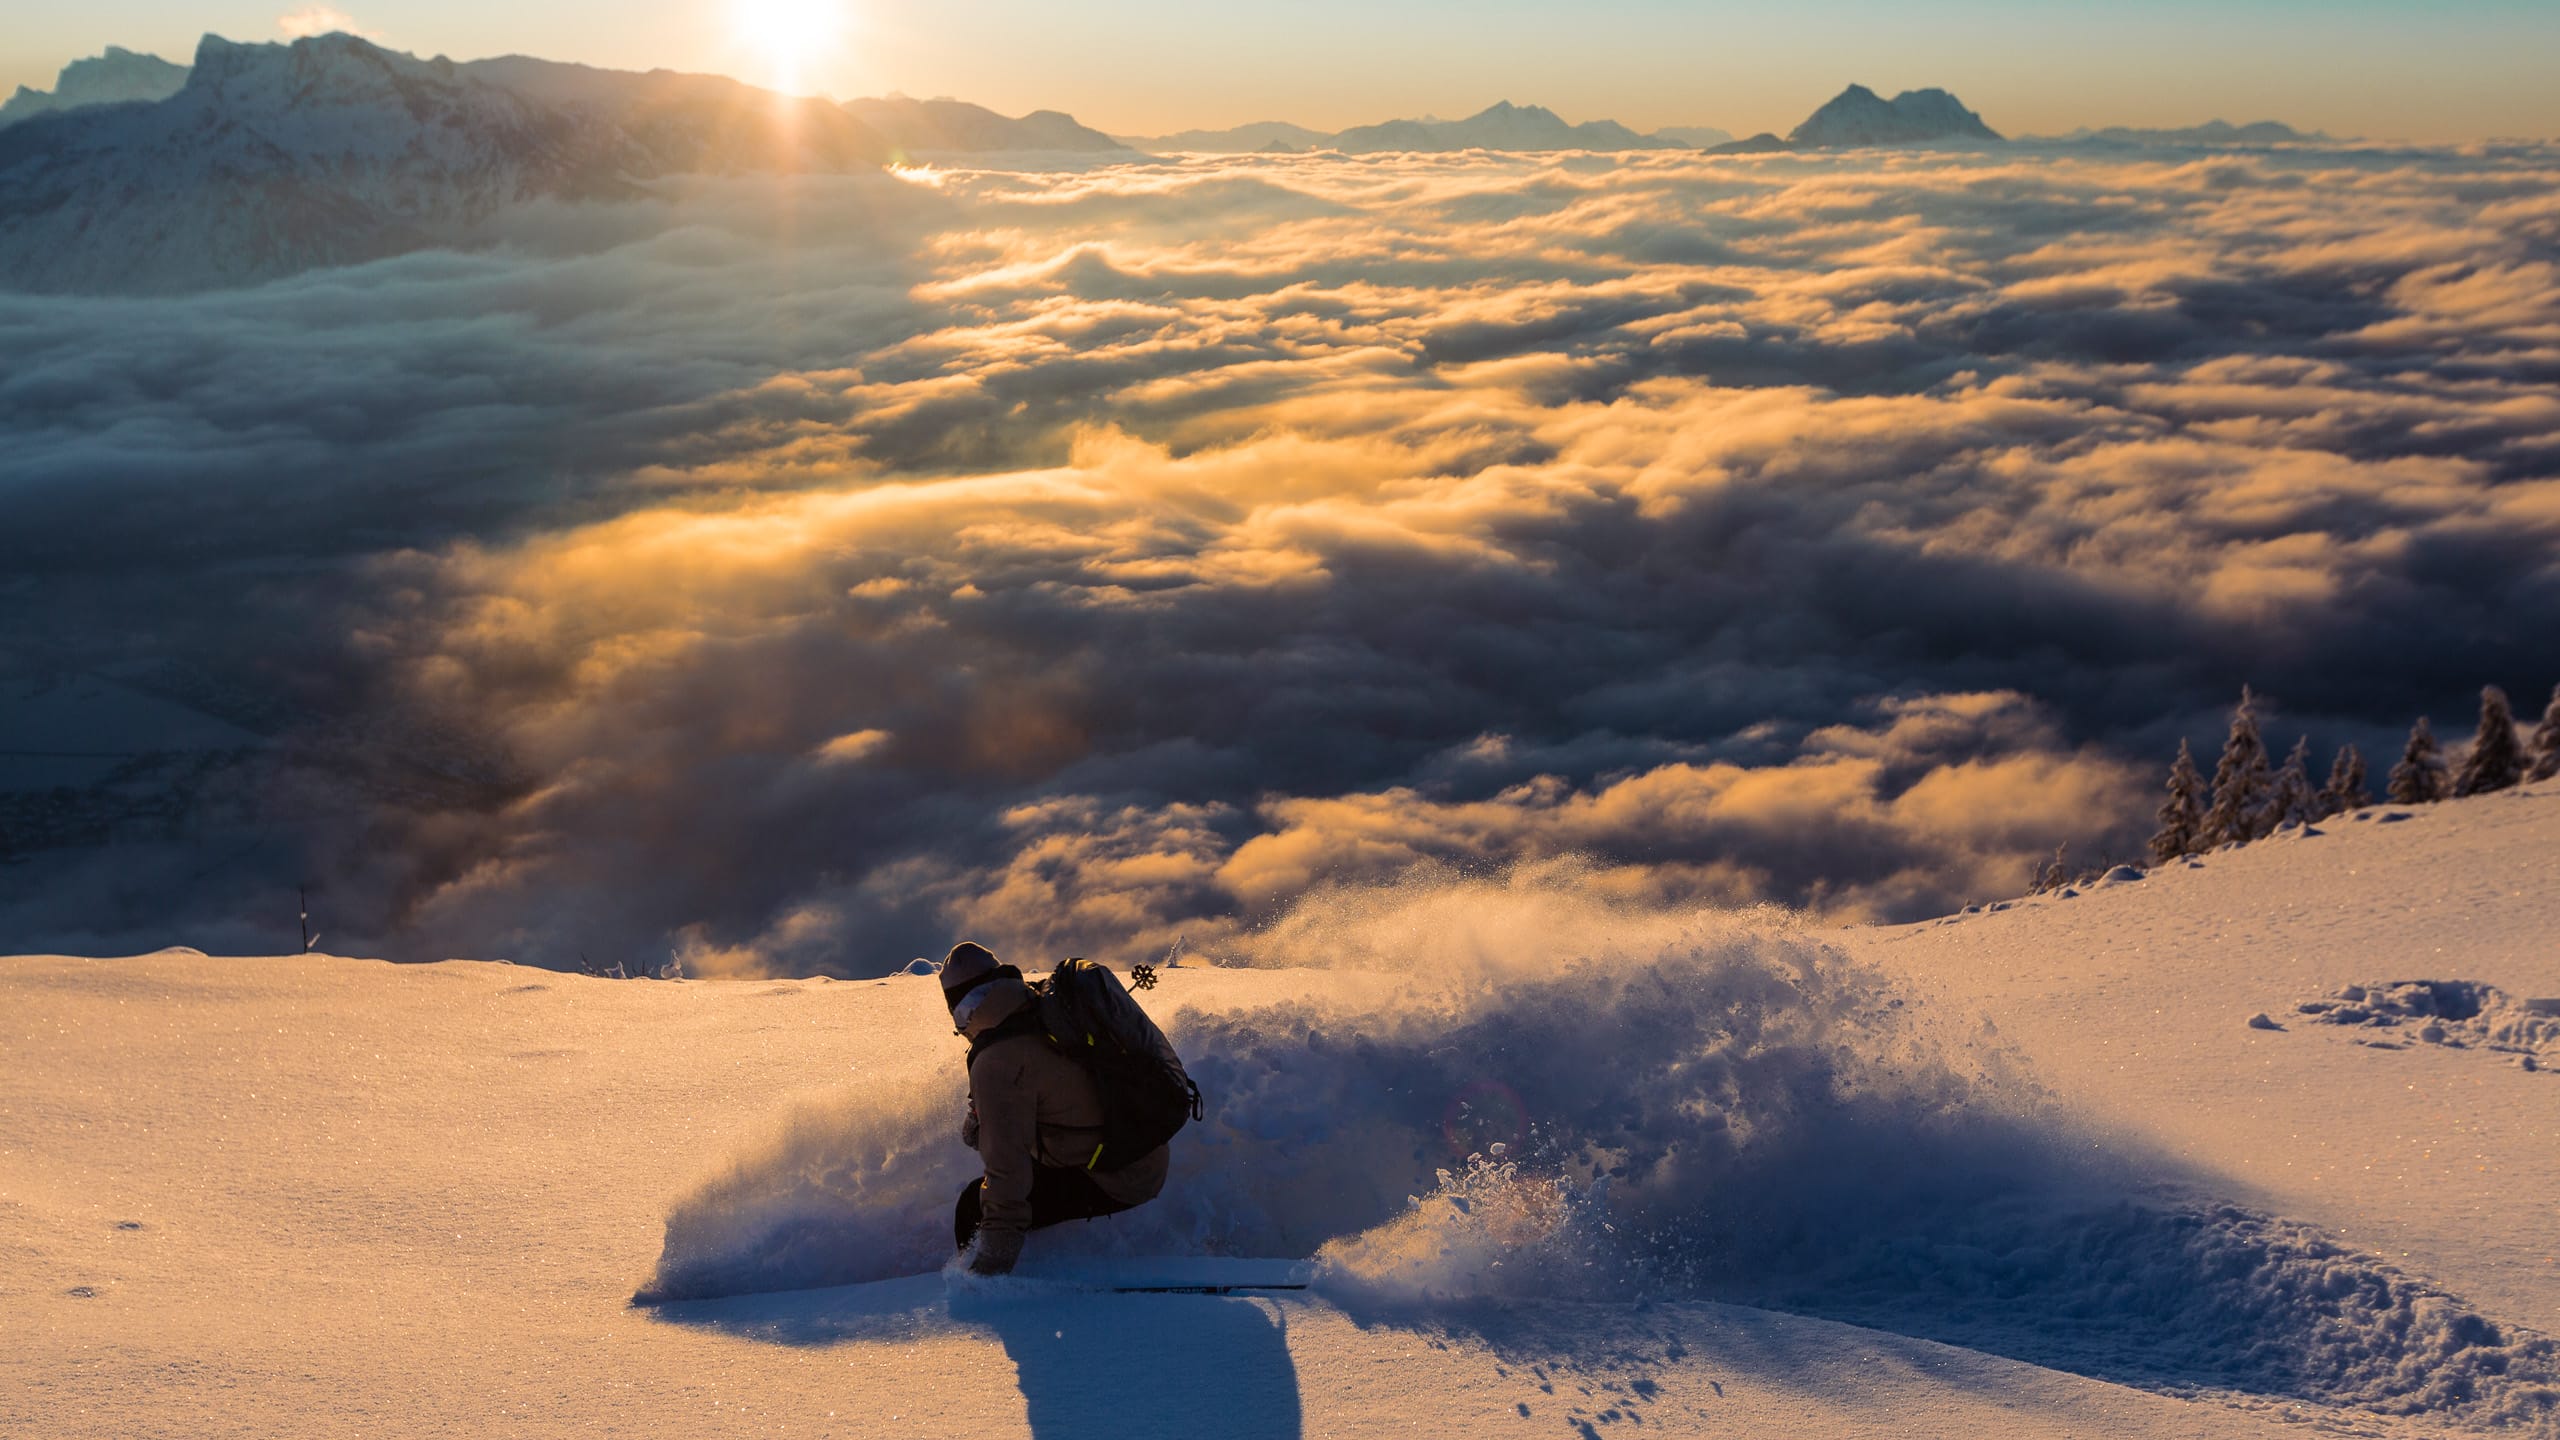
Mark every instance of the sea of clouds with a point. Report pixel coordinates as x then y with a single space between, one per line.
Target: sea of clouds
786 577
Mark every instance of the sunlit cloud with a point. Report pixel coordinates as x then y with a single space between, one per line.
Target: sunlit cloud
318 20
849 748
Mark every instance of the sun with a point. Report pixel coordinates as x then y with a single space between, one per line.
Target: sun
787 35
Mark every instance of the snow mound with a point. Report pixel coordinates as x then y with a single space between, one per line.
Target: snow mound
2184 1297
844 1191
2457 1014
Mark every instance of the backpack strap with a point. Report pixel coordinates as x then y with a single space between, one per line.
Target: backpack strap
1025 1021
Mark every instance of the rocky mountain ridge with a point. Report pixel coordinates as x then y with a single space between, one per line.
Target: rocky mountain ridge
926 126
1859 117
273 159
118 76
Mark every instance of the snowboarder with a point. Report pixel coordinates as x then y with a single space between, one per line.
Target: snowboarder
1035 1117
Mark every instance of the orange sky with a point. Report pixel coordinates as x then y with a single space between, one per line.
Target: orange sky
1147 66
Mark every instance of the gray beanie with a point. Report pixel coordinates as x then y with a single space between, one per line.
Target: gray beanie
968 963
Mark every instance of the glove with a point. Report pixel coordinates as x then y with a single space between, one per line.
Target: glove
969 1128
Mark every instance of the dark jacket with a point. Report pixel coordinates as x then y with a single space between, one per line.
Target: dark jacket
1030 1106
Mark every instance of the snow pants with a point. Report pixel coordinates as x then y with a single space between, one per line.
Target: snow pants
1057 1194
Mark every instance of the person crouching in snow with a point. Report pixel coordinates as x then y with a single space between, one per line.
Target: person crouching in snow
1034 1117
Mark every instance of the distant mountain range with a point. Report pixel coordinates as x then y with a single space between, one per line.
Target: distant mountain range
1261 136
266 160
2212 132
136 175
924 126
1501 126
273 159
1855 117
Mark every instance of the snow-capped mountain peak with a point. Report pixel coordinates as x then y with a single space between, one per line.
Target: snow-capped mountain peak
346 99
275 158
1859 116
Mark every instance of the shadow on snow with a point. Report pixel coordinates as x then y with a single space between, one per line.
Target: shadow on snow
1091 1366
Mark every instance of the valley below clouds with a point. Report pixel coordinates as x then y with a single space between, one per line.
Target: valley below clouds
785 576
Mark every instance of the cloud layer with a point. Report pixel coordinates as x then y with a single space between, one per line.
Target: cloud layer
786 577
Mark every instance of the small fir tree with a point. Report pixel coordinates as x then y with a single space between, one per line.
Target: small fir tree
2346 783
2182 814
2546 741
2495 762
2057 874
2293 801
2239 781
2419 777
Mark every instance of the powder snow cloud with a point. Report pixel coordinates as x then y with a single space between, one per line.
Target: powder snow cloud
789 575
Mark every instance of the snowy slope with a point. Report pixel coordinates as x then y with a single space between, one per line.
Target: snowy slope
306 1195
2134 1000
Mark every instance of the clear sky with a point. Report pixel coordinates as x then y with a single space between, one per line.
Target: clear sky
2454 70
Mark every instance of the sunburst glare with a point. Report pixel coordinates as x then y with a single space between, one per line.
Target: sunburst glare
788 36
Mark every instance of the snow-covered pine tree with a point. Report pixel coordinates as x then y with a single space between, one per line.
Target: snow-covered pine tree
2293 801
2239 782
2182 814
2346 783
2494 762
2419 777
2546 741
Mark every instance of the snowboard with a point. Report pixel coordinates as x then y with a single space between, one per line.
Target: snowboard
1166 1275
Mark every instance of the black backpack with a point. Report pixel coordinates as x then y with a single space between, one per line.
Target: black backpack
1146 1095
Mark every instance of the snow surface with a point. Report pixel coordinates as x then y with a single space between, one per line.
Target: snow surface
2025 1170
